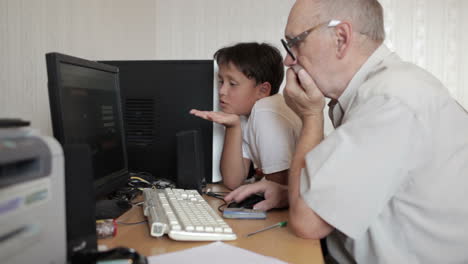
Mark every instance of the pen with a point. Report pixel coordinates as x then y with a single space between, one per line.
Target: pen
280 224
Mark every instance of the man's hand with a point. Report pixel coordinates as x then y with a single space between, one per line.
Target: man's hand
302 94
228 120
276 195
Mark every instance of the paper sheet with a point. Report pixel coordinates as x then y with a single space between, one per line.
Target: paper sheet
217 252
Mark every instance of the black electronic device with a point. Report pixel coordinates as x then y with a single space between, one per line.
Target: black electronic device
248 202
79 200
87 120
85 106
13 122
190 164
157 96
114 255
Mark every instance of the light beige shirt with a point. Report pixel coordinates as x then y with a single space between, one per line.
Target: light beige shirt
270 134
393 177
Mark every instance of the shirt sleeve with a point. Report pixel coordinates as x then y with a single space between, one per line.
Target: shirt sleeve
245 150
274 140
245 144
350 177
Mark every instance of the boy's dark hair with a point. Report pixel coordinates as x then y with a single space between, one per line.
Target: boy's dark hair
261 62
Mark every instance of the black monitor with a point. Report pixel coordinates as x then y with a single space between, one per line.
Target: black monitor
157 96
86 110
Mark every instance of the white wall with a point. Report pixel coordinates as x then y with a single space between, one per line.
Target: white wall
427 32
431 33
117 29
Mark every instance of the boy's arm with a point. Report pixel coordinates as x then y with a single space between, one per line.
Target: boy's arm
234 168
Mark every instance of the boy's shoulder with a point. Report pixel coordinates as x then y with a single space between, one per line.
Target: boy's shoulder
269 102
272 108
274 104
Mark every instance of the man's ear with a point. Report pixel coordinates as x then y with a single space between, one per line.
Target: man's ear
264 91
344 36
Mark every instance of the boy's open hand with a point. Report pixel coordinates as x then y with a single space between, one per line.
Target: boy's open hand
228 120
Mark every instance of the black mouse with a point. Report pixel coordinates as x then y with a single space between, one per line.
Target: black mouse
247 203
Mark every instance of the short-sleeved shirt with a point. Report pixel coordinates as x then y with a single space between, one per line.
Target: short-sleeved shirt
393 177
270 134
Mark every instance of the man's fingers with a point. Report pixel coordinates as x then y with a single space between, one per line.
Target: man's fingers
291 79
306 81
292 85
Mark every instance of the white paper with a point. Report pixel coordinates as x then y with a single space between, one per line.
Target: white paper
217 252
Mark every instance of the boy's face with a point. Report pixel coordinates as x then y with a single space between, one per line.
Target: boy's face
237 93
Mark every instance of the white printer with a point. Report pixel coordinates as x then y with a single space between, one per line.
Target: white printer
32 199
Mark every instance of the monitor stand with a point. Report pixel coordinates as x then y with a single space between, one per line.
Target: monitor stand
106 209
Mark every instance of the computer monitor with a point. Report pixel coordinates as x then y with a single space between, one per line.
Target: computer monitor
157 96
86 110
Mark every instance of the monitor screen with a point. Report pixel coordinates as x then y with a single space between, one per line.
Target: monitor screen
86 110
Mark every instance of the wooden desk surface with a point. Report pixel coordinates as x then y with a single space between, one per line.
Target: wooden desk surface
279 243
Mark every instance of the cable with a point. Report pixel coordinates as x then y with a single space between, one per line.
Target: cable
218 195
134 223
220 208
143 179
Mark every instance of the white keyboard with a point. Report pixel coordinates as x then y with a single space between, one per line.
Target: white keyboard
183 215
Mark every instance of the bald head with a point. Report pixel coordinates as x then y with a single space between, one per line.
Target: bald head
366 16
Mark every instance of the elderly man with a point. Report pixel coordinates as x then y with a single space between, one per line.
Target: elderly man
389 184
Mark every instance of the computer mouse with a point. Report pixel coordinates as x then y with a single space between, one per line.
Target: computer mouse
247 203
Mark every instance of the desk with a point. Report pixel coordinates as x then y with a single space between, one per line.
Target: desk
279 243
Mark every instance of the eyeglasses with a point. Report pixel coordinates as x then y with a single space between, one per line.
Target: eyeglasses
289 43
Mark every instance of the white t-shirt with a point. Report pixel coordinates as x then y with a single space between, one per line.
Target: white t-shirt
270 134
393 177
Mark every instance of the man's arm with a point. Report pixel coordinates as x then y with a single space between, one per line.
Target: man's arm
303 220
308 102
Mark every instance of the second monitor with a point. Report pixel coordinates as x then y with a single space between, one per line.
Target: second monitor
157 97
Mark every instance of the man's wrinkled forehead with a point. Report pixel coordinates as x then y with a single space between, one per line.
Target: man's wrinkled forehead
303 15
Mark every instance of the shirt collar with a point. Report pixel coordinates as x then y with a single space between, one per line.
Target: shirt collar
346 98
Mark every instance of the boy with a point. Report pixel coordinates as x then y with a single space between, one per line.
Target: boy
250 75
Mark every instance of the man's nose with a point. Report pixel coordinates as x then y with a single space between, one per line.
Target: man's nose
288 61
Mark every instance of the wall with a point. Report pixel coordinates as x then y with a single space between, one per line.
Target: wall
430 34
427 32
117 29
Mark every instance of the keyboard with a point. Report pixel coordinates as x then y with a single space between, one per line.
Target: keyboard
183 215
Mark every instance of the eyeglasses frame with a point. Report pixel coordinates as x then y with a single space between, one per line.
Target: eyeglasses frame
291 42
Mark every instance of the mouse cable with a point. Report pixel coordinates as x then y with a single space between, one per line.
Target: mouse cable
220 208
